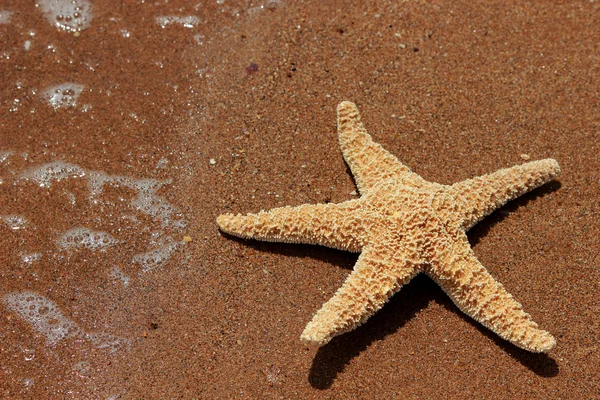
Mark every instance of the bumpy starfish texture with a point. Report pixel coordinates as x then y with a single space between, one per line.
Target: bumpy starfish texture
403 225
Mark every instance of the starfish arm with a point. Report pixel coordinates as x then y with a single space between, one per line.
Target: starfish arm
378 274
482 195
330 225
369 162
456 269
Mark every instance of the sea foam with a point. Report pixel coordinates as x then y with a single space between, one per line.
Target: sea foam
85 238
46 318
43 315
15 222
49 173
67 15
64 95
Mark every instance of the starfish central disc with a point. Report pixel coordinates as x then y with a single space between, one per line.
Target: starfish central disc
403 225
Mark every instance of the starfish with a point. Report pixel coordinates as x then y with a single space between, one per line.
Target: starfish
403 225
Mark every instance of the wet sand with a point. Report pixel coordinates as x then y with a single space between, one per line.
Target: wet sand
114 279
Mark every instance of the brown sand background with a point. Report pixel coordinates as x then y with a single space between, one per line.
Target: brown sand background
454 89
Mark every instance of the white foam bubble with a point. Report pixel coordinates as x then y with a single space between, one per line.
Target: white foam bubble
5 16
82 369
46 174
158 257
30 258
107 341
199 39
162 163
68 15
43 315
187 21
28 354
85 238
117 274
4 155
64 95
15 222
147 200
96 182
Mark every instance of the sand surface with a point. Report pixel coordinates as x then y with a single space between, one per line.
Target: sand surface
121 143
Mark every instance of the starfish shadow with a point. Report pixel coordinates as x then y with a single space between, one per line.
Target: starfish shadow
481 229
332 358
539 363
339 258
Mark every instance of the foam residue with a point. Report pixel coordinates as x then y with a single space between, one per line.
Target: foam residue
28 354
107 341
4 155
117 274
188 21
270 5
30 258
64 95
85 238
68 15
82 369
42 314
46 174
147 200
14 222
46 318
97 180
156 258
5 16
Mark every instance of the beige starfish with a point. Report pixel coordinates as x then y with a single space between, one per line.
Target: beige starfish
403 225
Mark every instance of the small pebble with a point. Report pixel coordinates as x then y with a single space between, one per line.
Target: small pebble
250 69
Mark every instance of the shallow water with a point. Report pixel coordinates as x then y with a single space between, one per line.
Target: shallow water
89 162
